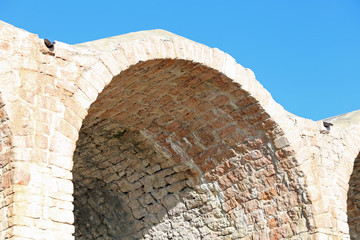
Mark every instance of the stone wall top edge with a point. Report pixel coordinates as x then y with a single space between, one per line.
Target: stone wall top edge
103 46
345 120
109 44
6 27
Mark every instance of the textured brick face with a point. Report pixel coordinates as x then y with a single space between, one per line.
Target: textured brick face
182 158
353 201
6 172
129 190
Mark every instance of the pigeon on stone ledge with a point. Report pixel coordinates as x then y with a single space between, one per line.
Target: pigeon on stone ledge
328 124
49 45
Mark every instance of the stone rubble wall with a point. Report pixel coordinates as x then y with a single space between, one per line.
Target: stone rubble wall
6 173
328 160
159 137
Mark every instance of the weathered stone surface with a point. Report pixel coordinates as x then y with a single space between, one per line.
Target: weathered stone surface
153 136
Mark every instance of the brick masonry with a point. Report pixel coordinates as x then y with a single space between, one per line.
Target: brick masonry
153 136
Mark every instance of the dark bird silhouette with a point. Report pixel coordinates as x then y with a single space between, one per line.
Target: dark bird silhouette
327 124
48 44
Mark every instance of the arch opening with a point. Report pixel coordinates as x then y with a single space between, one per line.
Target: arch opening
6 194
130 187
175 149
353 201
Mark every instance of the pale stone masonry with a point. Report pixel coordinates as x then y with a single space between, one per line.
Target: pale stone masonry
152 136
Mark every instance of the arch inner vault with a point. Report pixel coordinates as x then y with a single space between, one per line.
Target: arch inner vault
172 148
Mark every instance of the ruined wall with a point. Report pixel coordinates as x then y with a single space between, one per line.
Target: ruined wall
153 136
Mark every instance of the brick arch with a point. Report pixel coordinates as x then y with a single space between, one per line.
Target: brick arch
208 128
8 175
349 173
343 169
244 174
48 95
353 207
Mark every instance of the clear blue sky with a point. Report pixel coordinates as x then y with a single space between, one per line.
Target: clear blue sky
306 53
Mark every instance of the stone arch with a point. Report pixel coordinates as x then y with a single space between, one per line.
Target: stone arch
344 207
7 175
353 201
209 130
245 160
351 176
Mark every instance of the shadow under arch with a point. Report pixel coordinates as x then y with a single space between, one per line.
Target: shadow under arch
173 148
353 201
8 174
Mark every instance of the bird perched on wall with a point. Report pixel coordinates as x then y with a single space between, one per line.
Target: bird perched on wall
49 45
328 124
